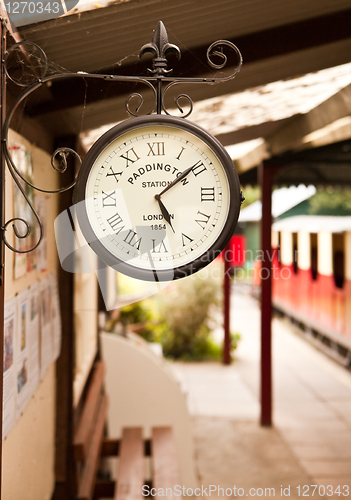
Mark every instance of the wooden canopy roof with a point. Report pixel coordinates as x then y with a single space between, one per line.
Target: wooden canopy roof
278 41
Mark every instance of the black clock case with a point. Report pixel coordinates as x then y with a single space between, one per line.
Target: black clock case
124 266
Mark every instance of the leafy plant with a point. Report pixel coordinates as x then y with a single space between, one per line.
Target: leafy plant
234 340
185 310
251 195
135 313
331 201
137 316
181 318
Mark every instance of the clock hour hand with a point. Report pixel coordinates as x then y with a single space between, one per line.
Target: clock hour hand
178 179
164 211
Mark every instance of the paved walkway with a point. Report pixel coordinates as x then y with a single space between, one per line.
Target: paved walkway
310 443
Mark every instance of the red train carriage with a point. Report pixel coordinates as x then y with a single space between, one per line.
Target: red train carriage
312 276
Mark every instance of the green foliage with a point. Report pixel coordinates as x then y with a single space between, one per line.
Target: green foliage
180 318
234 339
140 318
135 313
331 201
251 194
184 312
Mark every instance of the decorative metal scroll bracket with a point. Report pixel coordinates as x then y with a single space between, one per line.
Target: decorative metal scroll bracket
159 81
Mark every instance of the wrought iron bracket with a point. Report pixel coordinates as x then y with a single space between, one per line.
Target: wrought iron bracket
159 81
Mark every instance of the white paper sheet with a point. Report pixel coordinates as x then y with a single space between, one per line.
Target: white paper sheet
46 346
56 316
22 352
9 395
33 335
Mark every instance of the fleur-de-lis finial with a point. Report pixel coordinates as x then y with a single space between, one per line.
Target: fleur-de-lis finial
160 47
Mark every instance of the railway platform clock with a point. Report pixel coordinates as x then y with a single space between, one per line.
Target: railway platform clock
157 198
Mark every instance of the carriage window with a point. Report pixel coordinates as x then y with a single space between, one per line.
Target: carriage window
279 248
339 259
314 256
294 242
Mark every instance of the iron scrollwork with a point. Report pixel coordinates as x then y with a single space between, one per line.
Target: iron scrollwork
161 48
159 81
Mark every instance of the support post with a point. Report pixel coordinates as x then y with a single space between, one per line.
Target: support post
266 177
65 487
226 305
2 222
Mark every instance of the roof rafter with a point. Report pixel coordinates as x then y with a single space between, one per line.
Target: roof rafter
292 135
255 47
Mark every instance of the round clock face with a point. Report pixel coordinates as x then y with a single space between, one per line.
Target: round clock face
157 198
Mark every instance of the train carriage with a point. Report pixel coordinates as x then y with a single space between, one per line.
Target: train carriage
311 276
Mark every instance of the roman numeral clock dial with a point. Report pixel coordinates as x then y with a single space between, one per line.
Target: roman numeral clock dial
157 198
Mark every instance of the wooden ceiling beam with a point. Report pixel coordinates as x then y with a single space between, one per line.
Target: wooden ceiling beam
251 159
292 135
255 47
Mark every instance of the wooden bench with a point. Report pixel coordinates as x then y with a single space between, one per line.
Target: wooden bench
90 446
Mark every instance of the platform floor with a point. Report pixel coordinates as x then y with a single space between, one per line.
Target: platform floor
310 442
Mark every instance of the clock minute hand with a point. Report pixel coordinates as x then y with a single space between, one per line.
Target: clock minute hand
178 179
163 209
